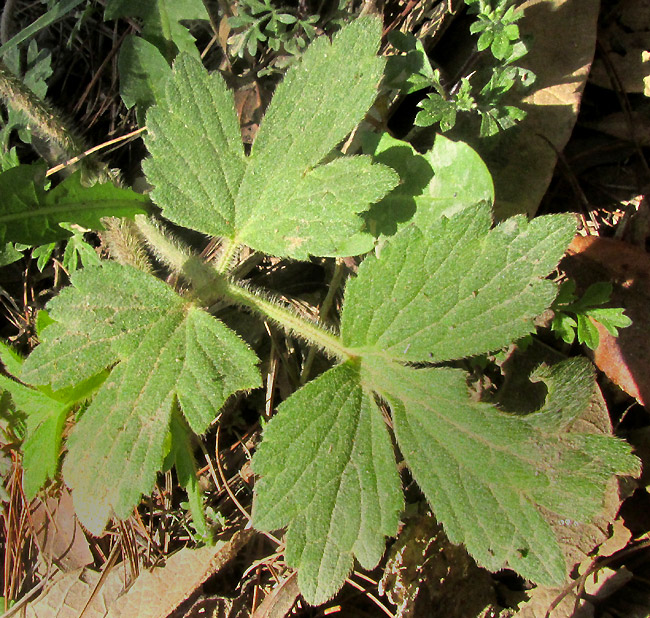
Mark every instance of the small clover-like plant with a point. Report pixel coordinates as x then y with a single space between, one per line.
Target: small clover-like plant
577 316
440 284
481 92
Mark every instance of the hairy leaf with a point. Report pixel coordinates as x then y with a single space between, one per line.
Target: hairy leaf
486 473
31 215
278 199
165 349
458 290
328 471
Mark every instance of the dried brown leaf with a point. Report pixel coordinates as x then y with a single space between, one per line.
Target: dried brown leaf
157 593
280 600
59 534
69 596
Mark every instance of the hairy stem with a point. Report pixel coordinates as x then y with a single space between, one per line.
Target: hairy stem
46 124
315 334
335 284
210 286
227 252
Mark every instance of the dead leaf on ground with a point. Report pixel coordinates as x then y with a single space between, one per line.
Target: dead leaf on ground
522 159
157 593
636 127
71 593
625 38
625 52
59 534
624 359
278 603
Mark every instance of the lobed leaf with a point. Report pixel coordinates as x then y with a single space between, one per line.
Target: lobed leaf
313 208
166 349
197 129
32 216
486 474
461 289
99 320
328 472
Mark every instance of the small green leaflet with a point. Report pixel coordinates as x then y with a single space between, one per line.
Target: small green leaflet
328 471
586 310
460 289
46 412
279 199
31 215
161 19
165 347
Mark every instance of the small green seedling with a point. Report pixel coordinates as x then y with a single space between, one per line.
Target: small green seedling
577 316
482 91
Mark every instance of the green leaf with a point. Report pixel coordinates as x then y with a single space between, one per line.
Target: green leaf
165 349
313 208
596 294
611 318
441 182
9 254
587 331
11 360
44 424
161 22
46 413
31 215
461 180
99 320
77 252
457 291
435 109
143 73
328 472
565 327
486 473
182 450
